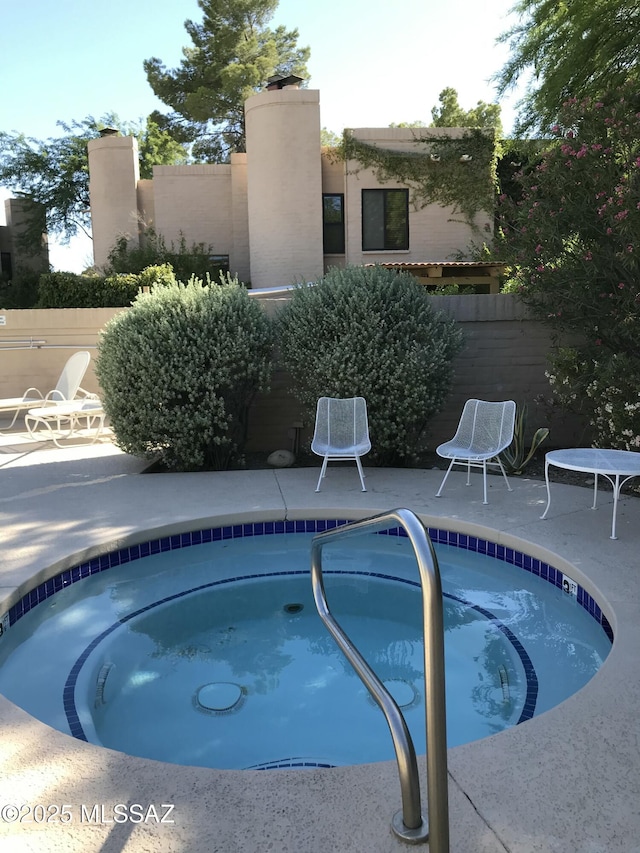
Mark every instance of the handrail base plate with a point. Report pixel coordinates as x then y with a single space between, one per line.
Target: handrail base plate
409 836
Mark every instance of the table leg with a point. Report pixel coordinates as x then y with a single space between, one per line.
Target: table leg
595 491
546 479
616 492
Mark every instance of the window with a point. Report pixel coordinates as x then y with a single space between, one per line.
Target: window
385 220
333 223
219 263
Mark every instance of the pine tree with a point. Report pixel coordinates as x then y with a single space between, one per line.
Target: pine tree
233 54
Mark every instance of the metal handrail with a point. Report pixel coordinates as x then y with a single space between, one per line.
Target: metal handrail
407 824
23 343
32 343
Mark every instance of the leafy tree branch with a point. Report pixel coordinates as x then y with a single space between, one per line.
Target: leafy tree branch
54 172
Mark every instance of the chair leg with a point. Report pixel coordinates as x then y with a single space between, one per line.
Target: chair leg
15 418
444 479
504 474
484 480
468 472
323 472
359 464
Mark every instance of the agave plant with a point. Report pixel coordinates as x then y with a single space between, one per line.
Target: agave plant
516 457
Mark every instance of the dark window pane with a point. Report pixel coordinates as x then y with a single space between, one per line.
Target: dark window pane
332 208
333 223
385 220
219 263
396 232
372 220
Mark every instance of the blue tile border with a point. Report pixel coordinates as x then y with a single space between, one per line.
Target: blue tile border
269 528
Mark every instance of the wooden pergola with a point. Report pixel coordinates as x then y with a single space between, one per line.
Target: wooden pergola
482 276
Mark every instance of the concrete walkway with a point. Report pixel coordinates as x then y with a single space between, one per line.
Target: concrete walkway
565 782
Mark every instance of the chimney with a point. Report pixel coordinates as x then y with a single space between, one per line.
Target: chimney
278 81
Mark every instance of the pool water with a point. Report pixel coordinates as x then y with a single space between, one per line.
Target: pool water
214 655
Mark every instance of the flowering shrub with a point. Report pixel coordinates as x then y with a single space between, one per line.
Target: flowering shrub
179 370
368 331
573 238
608 384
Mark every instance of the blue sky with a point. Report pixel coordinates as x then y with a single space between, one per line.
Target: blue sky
374 63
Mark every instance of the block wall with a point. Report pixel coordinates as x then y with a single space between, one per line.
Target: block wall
56 334
194 200
505 357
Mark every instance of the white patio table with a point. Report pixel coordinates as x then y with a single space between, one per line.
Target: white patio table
62 421
617 466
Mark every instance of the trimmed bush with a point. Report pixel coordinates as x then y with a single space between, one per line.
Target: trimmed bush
372 332
179 370
68 290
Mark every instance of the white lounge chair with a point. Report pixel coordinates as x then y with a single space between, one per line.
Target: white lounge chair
484 431
341 432
67 389
78 419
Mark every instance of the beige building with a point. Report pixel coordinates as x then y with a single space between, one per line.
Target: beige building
283 212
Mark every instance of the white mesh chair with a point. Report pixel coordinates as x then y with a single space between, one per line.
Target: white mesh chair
67 389
341 432
484 431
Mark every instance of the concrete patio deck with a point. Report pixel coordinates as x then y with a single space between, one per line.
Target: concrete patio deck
565 782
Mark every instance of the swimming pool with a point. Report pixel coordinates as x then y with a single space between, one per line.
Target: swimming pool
530 651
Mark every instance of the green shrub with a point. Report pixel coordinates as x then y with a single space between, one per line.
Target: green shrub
118 290
372 332
159 274
68 290
197 259
179 370
606 386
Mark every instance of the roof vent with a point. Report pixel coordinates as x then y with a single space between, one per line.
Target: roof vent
109 131
278 81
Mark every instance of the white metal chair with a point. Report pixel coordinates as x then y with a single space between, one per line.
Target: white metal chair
341 432
484 431
67 389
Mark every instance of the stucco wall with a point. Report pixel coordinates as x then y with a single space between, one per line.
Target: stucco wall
435 233
114 174
239 255
504 358
284 186
199 195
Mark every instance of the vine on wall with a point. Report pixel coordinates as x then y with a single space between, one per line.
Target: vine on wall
458 173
